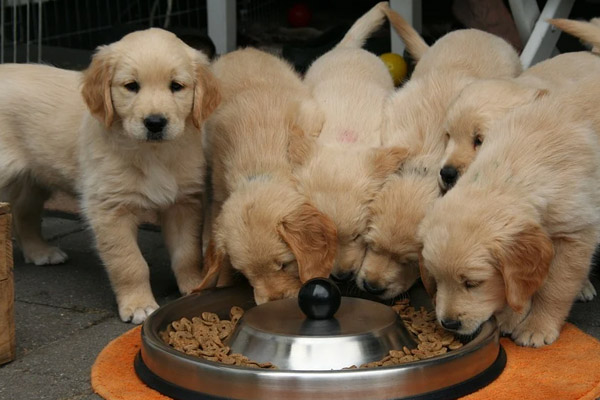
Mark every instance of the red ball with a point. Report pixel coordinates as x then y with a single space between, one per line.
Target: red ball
299 15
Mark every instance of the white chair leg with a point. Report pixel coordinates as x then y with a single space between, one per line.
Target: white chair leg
222 24
525 13
543 38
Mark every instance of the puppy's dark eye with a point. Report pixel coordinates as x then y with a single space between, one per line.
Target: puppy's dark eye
477 141
286 266
175 86
132 86
472 284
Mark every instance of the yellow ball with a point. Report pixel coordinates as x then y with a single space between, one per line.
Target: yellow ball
396 65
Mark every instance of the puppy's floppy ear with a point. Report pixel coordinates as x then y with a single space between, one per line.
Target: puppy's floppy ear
207 95
214 262
96 86
516 95
387 160
426 278
305 121
524 263
532 94
300 146
540 93
312 237
309 116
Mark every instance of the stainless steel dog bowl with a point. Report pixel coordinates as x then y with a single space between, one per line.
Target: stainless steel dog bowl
309 354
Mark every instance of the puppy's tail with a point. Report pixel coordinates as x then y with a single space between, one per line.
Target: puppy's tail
587 31
364 26
415 44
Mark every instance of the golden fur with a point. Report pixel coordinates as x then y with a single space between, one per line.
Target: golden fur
106 157
414 119
515 236
342 170
262 225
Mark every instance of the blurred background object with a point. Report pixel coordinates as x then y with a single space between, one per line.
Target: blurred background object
65 32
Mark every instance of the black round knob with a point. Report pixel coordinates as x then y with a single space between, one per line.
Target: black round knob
319 298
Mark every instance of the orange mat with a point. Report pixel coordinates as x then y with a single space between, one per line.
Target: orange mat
568 369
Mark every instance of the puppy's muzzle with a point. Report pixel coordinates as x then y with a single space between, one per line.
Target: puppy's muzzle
449 176
342 276
155 124
451 324
373 288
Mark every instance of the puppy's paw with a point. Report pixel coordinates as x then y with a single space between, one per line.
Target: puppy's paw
188 283
49 255
509 323
508 319
136 312
587 293
528 334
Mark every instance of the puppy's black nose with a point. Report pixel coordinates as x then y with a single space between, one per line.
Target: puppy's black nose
373 288
449 175
451 324
343 276
155 123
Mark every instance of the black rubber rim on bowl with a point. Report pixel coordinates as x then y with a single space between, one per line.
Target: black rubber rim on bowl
451 392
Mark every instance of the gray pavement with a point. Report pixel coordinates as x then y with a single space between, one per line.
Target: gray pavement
66 314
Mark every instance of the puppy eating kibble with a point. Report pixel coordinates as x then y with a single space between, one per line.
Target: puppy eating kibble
341 172
263 226
515 236
414 120
138 148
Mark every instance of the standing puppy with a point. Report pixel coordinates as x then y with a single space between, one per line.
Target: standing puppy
343 169
514 238
414 119
263 226
138 148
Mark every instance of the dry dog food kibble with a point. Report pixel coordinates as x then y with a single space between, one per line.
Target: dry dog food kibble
203 337
432 339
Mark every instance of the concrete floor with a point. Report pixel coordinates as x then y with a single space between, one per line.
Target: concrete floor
66 314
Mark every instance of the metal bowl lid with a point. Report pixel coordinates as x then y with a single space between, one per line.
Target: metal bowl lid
319 331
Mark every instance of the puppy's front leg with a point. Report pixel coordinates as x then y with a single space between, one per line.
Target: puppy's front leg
587 292
116 237
28 200
182 229
508 319
551 304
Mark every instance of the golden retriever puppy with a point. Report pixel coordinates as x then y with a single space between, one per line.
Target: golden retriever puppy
414 119
138 148
515 236
262 225
484 101
38 148
342 170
